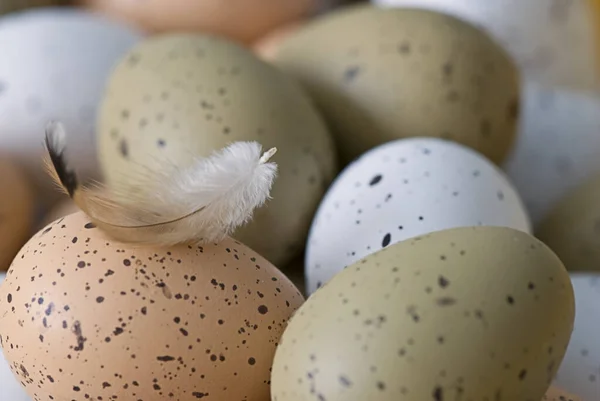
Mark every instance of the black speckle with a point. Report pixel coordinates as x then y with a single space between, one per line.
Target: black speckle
386 240
251 361
443 282
9 298
124 148
438 394
404 48
351 73
76 388
161 143
376 180
510 300
127 262
89 226
344 381
522 374
100 299
263 310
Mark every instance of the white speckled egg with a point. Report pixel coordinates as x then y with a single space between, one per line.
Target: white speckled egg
403 189
54 65
554 41
472 313
557 147
580 371
10 389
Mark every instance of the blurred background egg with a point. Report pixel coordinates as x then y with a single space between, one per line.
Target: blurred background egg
555 42
7 6
572 228
403 189
16 210
557 147
81 314
268 46
557 394
468 313
243 21
10 388
383 74
579 372
54 65
62 208
175 98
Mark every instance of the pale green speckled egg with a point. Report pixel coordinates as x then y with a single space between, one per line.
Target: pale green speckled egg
478 313
180 96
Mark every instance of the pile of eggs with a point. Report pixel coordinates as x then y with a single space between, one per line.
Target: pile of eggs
433 232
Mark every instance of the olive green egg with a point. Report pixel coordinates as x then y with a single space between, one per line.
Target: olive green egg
476 313
177 97
380 74
572 228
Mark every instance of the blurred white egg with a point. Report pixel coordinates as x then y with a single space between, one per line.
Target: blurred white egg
579 372
10 388
403 189
54 65
558 146
554 41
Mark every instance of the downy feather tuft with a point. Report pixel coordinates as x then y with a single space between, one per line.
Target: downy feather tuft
201 203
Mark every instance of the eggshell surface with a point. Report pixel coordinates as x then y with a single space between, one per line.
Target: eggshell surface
268 46
383 74
175 98
558 394
403 189
478 313
10 389
555 42
16 211
54 65
557 147
244 21
105 320
579 372
572 228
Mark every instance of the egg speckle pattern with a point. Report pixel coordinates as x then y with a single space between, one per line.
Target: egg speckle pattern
178 97
478 313
557 394
82 317
54 65
557 147
552 41
403 189
405 72
580 371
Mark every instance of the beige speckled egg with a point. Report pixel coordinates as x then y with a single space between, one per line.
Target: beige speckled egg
16 211
558 394
85 318
477 313
178 97
384 74
572 228
241 20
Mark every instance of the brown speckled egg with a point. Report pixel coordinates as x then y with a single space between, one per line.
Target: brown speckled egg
241 20
16 211
380 74
85 318
557 394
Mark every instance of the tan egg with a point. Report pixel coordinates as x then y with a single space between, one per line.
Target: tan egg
383 74
82 317
572 228
477 313
557 394
245 20
63 208
268 46
175 98
16 211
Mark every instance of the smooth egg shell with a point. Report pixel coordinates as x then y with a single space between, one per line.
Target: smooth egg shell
16 211
54 65
554 42
557 148
478 313
10 388
80 314
268 46
557 394
579 372
175 98
572 228
403 189
244 21
383 74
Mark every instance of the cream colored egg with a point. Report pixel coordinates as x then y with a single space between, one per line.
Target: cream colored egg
384 74
478 313
572 228
558 394
178 97
244 21
556 42
16 210
268 46
83 317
